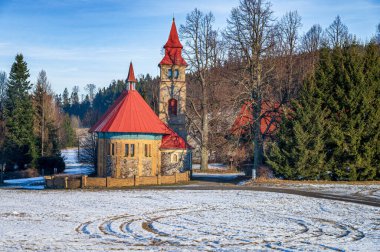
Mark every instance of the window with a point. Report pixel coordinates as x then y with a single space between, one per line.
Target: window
176 73
174 158
113 149
148 150
132 150
109 149
172 107
126 152
170 73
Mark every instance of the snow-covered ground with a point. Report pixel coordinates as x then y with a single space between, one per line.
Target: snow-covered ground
212 166
182 221
38 183
366 190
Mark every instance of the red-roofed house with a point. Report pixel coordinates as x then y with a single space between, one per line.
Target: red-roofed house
271 115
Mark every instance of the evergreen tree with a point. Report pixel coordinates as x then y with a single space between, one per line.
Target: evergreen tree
338 117
69 137
66 100
19 138
298 152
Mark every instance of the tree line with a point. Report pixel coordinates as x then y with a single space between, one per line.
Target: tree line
259 59
322 88
33 126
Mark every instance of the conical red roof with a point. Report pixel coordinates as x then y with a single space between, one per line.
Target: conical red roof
131 74
173 40
130 114
173 49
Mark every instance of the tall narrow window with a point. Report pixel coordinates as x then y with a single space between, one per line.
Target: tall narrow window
176 74
109 149
174 158
132 150
113 149
172 107
170 73
126 152
148 150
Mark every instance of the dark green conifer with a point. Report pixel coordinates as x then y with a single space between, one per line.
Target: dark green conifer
19 138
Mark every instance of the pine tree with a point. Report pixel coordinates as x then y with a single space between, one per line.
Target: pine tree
298 152
66 100
346 96
19 138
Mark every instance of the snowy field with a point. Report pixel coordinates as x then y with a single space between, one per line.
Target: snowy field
182 221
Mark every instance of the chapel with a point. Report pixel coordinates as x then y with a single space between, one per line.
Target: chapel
132 140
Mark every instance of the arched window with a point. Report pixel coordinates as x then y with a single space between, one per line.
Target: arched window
172 107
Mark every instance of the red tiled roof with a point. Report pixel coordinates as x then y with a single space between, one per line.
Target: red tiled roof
131 114
173 49
174 141
244 119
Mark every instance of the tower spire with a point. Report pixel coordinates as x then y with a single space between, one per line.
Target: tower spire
131 80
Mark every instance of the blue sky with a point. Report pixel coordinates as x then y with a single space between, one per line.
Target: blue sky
92 41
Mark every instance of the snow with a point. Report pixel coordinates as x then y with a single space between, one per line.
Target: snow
73 167
186 220
218 176
366 190
212 166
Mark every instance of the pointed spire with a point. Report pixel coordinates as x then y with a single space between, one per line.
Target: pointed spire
131 80
173 40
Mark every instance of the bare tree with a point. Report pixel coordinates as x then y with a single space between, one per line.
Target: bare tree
88 149
288 28
377 37
312 40
90 88
250 35
201 50
337 33
3 86
42 100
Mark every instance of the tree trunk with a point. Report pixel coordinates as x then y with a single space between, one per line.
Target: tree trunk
204 145
257 137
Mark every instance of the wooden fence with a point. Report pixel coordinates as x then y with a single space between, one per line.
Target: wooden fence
75 182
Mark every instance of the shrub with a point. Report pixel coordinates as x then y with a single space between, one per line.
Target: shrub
49 163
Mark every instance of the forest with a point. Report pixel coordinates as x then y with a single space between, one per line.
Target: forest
311 100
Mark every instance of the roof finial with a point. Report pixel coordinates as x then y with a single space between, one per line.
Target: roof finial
173 17
131 80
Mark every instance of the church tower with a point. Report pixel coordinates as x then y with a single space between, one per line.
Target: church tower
172 96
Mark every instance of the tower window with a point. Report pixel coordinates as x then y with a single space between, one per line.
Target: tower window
170 73
176 73
172 107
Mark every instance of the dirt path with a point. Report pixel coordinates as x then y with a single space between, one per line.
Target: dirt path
230 182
